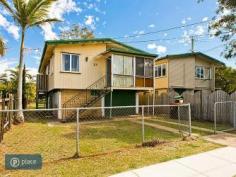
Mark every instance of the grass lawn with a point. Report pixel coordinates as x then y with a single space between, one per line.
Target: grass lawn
181 127
106 148
201 124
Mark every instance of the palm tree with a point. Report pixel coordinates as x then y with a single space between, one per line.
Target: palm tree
27 14
2 47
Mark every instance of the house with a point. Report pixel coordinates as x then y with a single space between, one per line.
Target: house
93 72
185 72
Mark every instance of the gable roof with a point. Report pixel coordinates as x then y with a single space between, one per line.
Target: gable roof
128 48
184 55
132 52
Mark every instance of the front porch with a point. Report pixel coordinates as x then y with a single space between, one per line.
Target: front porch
128 71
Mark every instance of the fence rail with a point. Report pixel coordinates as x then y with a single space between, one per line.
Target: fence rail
202 103
145 123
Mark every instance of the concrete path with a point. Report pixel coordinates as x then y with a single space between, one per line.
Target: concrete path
217 163
222 138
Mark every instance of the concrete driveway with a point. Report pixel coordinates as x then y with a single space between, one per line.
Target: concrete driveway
227 139
217 163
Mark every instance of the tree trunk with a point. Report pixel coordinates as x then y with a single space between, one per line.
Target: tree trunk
20 115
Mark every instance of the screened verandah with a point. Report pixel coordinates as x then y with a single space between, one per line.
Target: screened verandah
127 71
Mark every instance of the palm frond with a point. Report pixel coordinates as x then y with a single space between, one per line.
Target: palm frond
41 22
13 13
34 5
3 77
20 6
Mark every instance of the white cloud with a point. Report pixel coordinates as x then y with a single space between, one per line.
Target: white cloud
141 32
183 21
58 10
7 64
186 37
60 7
9 27
48 32
165 34
199 30
138 33
151 46
189 18
90 21
151 26
32 71
204 19
14 30
64 28
159 48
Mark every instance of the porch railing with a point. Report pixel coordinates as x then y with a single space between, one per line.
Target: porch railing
42 83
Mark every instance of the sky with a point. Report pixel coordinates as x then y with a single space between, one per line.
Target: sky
134 22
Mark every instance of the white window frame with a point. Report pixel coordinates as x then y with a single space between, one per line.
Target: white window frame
161 70
205 77
70 54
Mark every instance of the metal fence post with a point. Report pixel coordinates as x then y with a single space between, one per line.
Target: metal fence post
234 119
143 139
215 117
77 133
190 119
179 118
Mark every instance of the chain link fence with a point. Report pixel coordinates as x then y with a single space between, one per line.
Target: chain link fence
99 130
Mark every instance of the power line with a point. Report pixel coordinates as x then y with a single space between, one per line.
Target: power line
163 30
169 39
213 48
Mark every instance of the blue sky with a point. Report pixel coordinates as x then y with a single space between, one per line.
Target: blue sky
120 19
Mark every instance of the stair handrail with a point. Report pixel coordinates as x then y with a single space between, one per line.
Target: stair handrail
102 79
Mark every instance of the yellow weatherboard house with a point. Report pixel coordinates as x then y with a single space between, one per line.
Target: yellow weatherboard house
185 72
93 72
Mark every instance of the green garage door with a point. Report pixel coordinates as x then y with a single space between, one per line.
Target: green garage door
121 98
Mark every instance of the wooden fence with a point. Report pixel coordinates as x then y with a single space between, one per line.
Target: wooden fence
6 117
202 104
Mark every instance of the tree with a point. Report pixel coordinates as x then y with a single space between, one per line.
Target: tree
27 14
2 47
225 79
77 32
224 26
3 78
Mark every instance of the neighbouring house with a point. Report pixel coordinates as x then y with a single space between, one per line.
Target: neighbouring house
185 72
97 72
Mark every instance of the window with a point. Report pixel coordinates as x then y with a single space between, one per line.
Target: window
160 70
123 71
203 72
207 73
70 62
139 66
122 65
148 68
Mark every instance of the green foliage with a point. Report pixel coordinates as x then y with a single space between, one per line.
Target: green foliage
9 81
29 13
225 79
224 26
77 32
